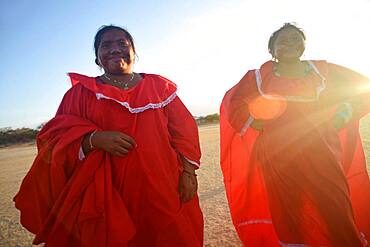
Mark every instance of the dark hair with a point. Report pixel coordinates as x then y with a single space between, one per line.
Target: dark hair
105 28
275 34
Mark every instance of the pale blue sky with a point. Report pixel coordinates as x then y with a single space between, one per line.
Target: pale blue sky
203 46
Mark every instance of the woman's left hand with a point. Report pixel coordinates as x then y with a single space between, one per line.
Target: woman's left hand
338 122
342 116
188 183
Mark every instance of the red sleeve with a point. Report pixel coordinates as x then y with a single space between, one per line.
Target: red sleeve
183 131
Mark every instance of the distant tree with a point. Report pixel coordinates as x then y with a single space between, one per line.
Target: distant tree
20 135
40 126
209 119
213 118
5 129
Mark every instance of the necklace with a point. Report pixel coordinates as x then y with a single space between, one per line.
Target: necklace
124 84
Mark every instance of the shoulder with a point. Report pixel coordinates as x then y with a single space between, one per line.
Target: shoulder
321 67
318 62
245 88
79 84
159 85
79 78
160 81
247 82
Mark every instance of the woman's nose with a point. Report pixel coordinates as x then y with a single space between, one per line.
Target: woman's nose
115 48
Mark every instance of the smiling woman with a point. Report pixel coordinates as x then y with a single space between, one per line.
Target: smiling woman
116 165
115 53
291 154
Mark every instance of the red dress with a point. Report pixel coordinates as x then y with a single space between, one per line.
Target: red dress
106 200
298 182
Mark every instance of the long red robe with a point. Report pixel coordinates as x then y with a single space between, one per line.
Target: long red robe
106 200
298 182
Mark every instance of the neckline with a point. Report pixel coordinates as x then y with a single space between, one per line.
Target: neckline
319 88
99 82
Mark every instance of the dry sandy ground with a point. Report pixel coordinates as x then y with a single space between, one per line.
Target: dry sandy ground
15 162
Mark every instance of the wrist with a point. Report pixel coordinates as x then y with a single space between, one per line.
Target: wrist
188 167
92 144
190 172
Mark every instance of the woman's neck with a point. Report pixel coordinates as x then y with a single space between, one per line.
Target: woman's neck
121 76
296 68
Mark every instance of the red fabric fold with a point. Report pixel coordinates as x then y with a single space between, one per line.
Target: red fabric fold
76 201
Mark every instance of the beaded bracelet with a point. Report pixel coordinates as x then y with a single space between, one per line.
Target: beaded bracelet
90 139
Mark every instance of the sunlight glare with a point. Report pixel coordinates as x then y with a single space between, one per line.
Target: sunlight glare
265 109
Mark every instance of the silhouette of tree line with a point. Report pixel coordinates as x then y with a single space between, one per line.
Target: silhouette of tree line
9 136
209 119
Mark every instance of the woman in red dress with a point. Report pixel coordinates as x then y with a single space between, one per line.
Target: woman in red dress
116 165
291 153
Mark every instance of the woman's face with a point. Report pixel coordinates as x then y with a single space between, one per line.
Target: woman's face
289 45
115 53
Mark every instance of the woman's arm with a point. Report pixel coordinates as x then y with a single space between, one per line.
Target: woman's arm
114 142
184 138
236 104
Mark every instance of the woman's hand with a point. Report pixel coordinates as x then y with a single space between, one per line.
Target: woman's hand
342 116
257 124
113 142
188 183
338 122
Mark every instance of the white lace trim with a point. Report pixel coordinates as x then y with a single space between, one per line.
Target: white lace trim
269 221
81 154
319 89
142 108
192 162
363 238
246 125
255 221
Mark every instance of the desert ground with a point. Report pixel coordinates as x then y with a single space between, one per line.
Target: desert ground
15 162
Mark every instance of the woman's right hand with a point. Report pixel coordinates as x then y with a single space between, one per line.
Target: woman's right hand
114 142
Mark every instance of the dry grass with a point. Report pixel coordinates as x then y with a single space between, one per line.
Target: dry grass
15 162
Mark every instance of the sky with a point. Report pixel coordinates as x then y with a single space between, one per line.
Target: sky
205 46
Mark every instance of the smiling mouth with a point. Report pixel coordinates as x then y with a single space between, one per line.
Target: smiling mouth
290 49
119 59
116 58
